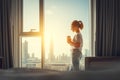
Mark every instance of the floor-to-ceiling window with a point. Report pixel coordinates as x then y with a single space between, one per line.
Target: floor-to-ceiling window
30 37
58 15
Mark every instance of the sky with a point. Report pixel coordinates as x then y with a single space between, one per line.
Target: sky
58 17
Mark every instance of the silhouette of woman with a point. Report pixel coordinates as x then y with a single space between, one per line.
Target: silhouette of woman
76 43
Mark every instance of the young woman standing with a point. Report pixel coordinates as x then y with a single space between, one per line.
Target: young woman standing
76 43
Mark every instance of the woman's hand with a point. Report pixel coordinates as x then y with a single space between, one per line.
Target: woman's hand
68 39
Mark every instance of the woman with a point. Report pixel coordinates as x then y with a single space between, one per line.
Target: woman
76 43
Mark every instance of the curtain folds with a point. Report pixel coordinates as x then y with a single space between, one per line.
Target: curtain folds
10 23
16 23
107 28
5 33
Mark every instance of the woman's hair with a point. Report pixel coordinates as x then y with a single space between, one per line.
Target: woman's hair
77 23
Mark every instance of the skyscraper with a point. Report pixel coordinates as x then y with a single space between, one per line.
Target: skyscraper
51 50
25 54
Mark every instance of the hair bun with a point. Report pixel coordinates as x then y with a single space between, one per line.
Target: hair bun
81 25
80 21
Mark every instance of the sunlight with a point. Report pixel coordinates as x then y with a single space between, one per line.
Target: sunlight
58 15
58 20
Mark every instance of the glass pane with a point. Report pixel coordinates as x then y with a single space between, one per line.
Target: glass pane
31 15
58 17
31 52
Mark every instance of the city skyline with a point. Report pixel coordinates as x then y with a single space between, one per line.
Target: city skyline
58 15
25 49
61 62
58 21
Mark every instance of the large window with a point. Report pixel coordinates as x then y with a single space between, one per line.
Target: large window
31 16
31 52
58 15
30 35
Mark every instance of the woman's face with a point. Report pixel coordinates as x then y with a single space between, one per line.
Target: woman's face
74 28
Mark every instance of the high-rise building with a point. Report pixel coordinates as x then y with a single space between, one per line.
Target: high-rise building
25 54
51 49
27 60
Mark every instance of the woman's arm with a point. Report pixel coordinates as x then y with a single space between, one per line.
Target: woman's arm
75 44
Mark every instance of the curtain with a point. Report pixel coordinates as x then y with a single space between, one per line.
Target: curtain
107 27
5 33
16 23
10 23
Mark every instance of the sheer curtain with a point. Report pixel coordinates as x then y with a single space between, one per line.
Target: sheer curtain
107 28
16 23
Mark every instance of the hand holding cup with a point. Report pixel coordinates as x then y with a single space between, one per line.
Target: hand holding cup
68 39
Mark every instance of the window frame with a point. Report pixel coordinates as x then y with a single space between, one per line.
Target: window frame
92 15
93 26
40 33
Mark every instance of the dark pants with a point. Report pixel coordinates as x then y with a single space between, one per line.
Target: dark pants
76 56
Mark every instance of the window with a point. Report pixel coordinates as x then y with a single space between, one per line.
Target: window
31 16
31 52
50 49
30 35
58 17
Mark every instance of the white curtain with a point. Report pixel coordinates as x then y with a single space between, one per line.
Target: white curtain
16 20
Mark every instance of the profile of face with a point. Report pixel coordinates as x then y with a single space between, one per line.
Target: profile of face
74 28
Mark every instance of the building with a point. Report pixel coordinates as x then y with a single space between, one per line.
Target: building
24 53
51 51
